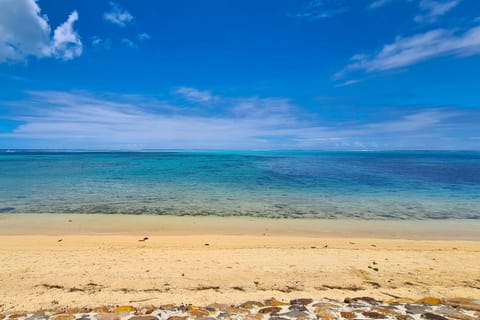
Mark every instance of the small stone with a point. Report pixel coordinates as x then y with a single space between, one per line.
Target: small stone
456 315
36 316
270 310
429 300
296 307
223 315
143 318
170 307
217 306
325 314
17 315
404 317
63 317
235 310
325 305
107 316
198 313
302 301
374 315
433 316
177 318
294 314
149 310
415 308
274 303
121 309
368 300
251 305
347 315
385 311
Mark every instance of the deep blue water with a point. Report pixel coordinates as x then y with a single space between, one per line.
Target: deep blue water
365 185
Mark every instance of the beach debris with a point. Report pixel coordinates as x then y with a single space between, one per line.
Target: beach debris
144 239
428 308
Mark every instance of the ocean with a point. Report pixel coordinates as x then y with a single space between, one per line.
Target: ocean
277 184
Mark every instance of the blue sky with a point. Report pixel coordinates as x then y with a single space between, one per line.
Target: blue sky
190 74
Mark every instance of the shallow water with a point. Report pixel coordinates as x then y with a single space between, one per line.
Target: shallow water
364 185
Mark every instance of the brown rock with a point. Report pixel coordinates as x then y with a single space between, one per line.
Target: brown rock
374 315
177 318
17 315
121 309
347 315
217 306
143 318
170 307
456 315
251 304
368 300
301 301
63 317
235 310
430 300
385 311
325 305
199 313
107 316
270 310
325 314
432 316
275 303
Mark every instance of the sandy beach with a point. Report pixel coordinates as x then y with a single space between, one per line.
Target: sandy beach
53 261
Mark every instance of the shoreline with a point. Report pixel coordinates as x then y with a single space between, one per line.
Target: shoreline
124 224
94 260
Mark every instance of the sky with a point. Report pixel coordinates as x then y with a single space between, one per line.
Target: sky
236 74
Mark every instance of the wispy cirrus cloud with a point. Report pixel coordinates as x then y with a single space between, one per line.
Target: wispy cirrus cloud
319 9
195 95
117 15
26 32
84 120
378 4
129 43
431 10
407 51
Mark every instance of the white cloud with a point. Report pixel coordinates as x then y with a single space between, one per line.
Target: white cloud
82 120
347 83
66 41
431 9
129 43
195 95
379 3
143 36
25 32
406 51
318 9
118 15
98 42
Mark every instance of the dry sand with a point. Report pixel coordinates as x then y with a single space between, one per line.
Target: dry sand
50 261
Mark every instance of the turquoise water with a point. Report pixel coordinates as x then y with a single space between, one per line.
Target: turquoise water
364 185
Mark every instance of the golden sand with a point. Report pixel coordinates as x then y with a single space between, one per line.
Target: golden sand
90 260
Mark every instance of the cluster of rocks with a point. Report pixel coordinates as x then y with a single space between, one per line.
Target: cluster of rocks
299 309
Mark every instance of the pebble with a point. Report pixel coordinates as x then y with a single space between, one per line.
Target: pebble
428 308
107 316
